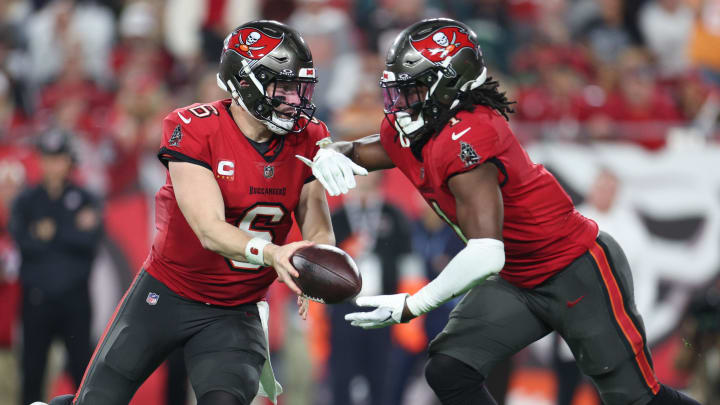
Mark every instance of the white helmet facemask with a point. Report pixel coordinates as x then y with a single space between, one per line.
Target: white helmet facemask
406 125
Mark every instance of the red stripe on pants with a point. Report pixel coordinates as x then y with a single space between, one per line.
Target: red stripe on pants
623 319
102 338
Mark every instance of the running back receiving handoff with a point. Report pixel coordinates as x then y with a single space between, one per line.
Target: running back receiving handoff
446 130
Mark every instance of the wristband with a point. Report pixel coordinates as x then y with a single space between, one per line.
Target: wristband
254 251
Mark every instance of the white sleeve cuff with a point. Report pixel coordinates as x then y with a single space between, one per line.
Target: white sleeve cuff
472 265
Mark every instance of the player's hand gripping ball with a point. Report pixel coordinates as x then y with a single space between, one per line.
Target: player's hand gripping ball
327 274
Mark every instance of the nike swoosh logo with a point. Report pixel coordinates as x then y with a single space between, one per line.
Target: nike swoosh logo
185 120
457 136
571 304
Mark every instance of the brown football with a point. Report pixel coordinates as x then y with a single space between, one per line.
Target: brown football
327 274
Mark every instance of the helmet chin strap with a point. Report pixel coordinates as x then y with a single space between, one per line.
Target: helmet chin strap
406 125
404 122
474 84
278 125
471 85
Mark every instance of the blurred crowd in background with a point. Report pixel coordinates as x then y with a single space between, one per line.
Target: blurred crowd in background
641 75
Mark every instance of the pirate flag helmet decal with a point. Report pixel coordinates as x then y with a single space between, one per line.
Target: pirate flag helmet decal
443 43
268 70
427 69
251 43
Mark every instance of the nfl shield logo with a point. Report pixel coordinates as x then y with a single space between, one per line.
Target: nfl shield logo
269 171
152 298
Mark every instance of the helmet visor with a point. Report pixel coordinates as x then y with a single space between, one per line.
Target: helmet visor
401 97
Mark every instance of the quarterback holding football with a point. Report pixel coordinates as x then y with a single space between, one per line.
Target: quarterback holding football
222 218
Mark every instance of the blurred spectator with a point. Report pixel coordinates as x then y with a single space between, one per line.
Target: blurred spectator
6 107
492 24
145 71
327 31
382 20
693 96
195 29
207 89
637 91
133 124
666 27
552 45
72 100
14 103
57 227
605 31
12 177
377 235
9 90
705 40
556 96
140 46
364 114
637 108
279 10
64 30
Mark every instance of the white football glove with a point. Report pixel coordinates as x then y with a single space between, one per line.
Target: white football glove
389 311
335 171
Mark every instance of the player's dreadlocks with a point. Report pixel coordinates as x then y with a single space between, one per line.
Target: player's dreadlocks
486 94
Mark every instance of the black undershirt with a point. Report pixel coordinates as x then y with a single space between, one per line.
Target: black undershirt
262 147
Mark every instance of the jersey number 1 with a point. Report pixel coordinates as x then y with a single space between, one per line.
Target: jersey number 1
259 222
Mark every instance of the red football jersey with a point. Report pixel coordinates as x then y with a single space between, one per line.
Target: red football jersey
542 231
260 193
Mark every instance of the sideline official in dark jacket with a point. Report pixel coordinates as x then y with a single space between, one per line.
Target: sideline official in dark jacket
57 227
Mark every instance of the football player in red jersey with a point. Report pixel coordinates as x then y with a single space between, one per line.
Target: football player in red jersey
222 218
532 263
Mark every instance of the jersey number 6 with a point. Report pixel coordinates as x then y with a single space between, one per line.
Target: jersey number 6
259 222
